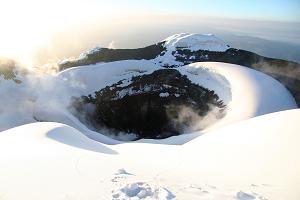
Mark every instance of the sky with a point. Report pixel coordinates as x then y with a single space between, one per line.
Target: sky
37 31
276 10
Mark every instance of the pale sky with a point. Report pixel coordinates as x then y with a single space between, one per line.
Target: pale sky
277 10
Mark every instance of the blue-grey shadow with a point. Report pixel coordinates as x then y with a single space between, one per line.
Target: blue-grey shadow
70 136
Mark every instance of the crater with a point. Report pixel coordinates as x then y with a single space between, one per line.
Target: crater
157 105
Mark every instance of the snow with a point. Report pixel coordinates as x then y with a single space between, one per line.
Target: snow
164 94
246 196
242 156
192 42
195 42
141 190
130 91
95 77
246 92
89 52
82 56
253 159
251 153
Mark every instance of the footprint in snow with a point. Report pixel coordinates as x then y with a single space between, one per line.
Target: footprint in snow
142 190
124 190
249 196
199 190
121 174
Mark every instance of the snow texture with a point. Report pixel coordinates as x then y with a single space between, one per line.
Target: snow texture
195 42
251 159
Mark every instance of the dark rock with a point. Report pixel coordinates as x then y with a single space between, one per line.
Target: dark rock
109 55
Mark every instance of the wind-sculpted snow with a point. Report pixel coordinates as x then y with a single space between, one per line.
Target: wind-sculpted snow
249 93
254 159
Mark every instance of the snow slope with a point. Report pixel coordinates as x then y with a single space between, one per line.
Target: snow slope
192 42
247 92
195 42
254 159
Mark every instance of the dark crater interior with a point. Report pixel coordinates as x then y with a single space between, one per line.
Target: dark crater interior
149 106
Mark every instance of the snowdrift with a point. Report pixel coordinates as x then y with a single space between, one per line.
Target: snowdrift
254 159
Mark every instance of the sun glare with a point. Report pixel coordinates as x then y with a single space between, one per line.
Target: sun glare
28 25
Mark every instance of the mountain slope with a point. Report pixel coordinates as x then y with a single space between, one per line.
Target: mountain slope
183 49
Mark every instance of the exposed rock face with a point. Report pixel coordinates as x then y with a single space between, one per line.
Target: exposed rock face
151 105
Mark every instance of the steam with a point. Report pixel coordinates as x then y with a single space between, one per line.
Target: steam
36 92
85 111
288 69
111 45
191 120
49 68
287 73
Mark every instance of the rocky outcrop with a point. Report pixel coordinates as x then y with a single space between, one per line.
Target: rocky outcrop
108 55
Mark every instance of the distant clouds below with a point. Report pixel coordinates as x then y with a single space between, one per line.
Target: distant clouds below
129 31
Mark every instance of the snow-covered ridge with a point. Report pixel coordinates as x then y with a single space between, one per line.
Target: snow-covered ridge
82 56
192 42
195 42
89 52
